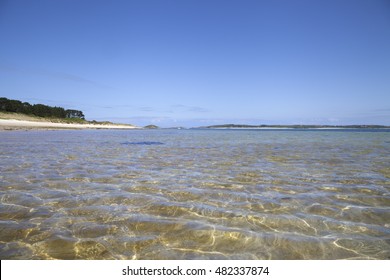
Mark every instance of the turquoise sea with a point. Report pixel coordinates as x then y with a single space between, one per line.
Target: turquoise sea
195 194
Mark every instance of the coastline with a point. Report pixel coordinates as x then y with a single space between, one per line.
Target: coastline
13 124
302 127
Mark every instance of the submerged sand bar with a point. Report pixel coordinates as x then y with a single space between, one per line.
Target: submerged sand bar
11 124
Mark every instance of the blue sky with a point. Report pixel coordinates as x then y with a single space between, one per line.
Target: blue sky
198 62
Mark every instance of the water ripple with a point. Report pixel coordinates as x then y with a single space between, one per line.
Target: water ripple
194 195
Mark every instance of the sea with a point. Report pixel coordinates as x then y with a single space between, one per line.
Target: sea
195 194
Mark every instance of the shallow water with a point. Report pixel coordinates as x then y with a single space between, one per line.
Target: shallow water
195 194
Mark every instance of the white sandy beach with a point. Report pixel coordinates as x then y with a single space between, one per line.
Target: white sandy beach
11 124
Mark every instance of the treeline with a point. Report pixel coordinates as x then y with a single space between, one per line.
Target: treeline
40 110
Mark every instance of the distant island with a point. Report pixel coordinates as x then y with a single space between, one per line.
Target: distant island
151 126
296 126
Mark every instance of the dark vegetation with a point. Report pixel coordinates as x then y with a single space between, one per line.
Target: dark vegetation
151 126
39 110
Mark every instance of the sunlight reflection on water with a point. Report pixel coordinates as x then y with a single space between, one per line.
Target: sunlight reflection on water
195 194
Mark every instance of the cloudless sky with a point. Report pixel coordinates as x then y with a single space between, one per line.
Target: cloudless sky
201 62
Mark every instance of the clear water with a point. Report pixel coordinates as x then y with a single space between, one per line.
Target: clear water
195 194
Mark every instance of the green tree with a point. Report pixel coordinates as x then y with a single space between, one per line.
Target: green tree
75 114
